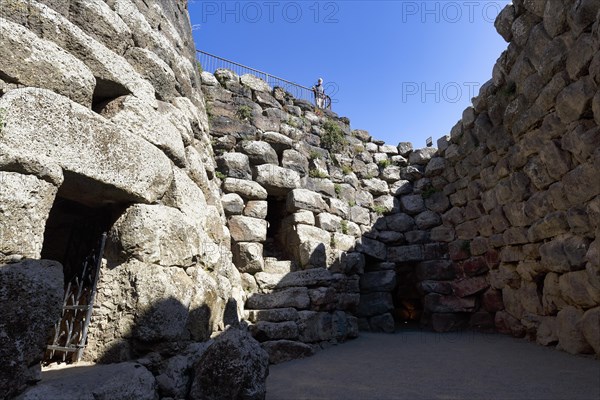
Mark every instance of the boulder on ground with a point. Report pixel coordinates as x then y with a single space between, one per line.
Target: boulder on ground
235 366
31 296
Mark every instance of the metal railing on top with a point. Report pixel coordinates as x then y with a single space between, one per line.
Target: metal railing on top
211 63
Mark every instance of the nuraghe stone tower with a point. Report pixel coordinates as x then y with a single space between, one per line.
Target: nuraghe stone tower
228 204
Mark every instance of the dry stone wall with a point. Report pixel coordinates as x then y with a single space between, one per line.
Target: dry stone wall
522 178
495 230
255 205
103 124
328 225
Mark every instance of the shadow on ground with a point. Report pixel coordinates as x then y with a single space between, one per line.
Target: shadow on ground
414 364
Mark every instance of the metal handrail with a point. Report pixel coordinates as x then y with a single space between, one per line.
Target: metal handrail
211 63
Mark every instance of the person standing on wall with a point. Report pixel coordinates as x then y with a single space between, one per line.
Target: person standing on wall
319 92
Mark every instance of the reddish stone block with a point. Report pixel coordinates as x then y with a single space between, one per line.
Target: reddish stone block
492 259
469 286
474 266
492 300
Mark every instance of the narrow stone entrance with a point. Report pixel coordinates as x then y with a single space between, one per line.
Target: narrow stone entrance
72 229
408 305
275 245
75 235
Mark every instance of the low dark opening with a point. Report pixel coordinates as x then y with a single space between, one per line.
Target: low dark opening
74 237
408 304
106 91
72 231
275 244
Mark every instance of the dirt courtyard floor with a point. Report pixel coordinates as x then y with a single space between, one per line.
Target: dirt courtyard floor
413 364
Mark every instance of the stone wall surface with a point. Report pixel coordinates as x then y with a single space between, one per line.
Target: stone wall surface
100 108
230 204
321 216
495 230
521 172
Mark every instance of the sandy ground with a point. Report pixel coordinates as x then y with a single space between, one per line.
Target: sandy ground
412 364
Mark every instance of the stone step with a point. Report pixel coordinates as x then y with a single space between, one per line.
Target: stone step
305 278
296 297
273 315
276 266
285 350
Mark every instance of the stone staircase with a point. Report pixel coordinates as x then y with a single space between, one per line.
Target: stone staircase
274 265
292 315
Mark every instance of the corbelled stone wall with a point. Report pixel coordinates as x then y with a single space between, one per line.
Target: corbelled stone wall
522 178
496 230
256 206
101 111
330 227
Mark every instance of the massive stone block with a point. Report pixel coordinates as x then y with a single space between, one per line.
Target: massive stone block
101 163
157 126
310 245
163 297
235 165
247 189
285 350
576 289
315 326
438 303
247 229
378 281
31 61
25 202
590 325
302 199
376 303
161 235
570 335
292 297
248 257
233 367
277 180
259 152
112 72
31 298
115 381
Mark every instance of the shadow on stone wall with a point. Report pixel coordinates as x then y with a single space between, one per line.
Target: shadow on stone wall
170 352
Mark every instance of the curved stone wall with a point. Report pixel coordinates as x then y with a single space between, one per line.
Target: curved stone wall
330 227
101 111
522 168
256 206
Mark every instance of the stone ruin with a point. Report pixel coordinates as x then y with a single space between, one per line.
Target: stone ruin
231 206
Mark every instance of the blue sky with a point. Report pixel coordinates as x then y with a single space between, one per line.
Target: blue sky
402 70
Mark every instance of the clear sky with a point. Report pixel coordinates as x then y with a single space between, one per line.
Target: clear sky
402 70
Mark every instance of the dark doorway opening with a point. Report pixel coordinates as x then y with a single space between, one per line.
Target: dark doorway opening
408 303
275 245
72 230
74 236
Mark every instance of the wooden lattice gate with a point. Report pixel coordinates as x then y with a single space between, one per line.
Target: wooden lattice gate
70 332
